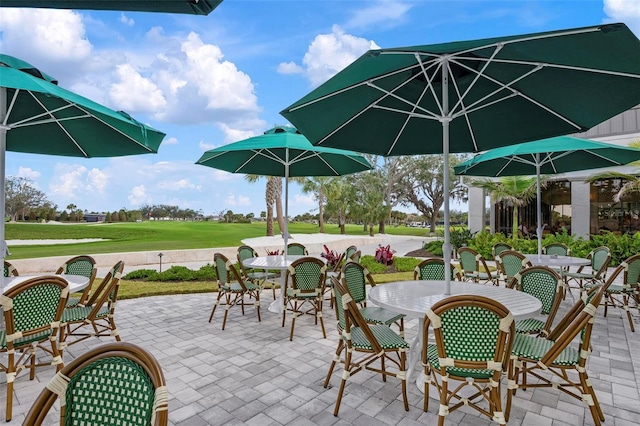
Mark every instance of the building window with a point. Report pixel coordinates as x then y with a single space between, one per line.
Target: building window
607 215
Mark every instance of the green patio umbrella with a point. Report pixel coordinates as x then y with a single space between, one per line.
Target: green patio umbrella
191 7
283 151
472 96
37 116
548 156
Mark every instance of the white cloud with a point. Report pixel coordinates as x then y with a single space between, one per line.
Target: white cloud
68 181
97 181
56 43
137 196
176 185
290 68
384 12
204 146
303 200
170 141
627 11
133 92
126 20
330 53
234 135
237 200
28 173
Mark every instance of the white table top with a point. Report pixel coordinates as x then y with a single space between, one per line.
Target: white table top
272 262
76 282
556 261
413 298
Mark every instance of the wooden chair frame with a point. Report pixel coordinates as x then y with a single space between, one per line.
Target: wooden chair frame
10 270
233 288
98 312
258 277
27 329
300 294
545 368
449 366
69 267
499 247
480 268
137 355
351 323
437 262
597 275
507 268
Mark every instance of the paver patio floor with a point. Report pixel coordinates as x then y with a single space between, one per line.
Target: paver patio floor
252 374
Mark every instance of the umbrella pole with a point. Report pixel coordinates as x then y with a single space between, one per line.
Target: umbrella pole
3 151
286 203
446 247
539 206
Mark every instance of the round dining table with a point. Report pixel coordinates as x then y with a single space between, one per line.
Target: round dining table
556 261
278 263
76 282
413 298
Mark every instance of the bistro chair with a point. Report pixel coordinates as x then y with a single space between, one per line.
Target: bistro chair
355 256
112 384
499 248
618 295
349 251
473 337
474 266
510 262
600 258
10 270
32 312
559 249
253 275
297 249
95 318
233 288
545 285
361 344
433 269
307 278
80 265
550 359
355 278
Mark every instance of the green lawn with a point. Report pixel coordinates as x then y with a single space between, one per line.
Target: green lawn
169 235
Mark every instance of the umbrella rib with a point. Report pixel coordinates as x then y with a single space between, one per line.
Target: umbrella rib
305 155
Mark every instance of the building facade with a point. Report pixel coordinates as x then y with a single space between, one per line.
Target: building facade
568 201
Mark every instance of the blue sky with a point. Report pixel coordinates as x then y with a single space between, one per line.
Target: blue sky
208 81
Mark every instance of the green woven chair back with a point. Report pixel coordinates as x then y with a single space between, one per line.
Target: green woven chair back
355 256
500 247
354 276
245 252
114 390
36 306
632 273
296 249
470 333
542 283
220 266
433 269
10 270
340 314
558 249
512 262
468 260
80 265
309 274
600 258
349 251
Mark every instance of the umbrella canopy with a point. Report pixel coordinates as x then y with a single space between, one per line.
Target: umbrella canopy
452 97
37 116
283 151
191 7
549 156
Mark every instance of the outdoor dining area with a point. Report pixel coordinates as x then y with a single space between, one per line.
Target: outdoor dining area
246 366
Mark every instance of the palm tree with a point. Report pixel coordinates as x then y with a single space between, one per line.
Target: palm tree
518 190
318 186
631 181
273 195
